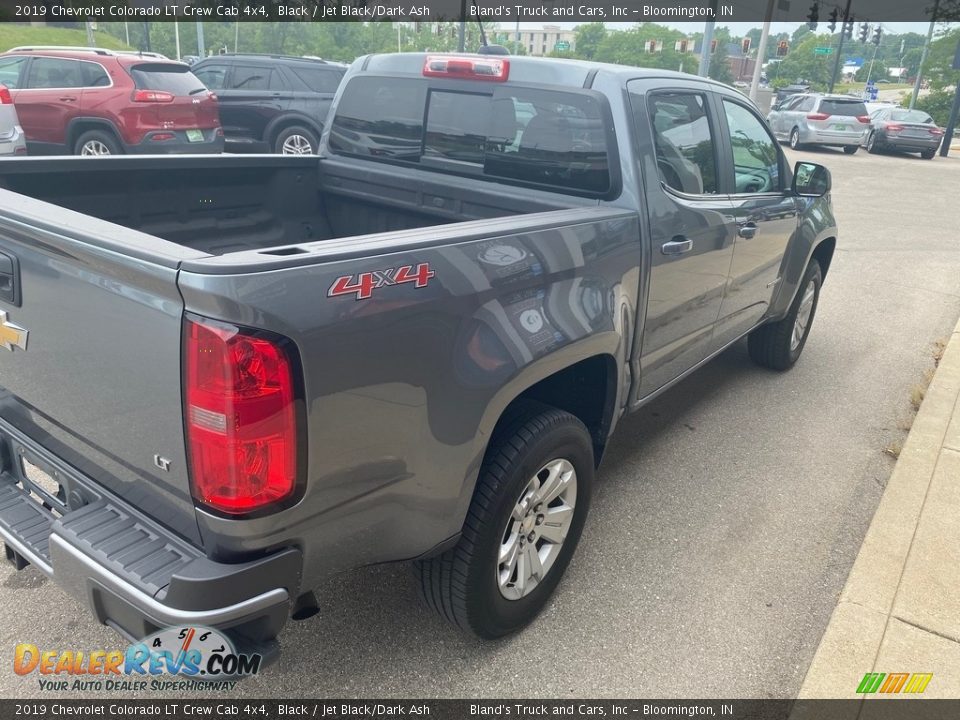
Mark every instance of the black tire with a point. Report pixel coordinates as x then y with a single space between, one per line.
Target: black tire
290 135
462 584
872 146
795 143
928 154
91 139
851 149
771 345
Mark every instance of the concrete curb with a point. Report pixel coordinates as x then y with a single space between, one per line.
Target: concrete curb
899 610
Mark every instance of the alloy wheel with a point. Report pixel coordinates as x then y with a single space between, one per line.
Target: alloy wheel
297 145
803 315
537 529
94 147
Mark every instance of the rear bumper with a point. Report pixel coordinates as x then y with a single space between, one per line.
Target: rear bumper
132 574
15 143
156 142
909 144
819 137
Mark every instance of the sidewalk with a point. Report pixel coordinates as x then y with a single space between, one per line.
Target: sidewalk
900 609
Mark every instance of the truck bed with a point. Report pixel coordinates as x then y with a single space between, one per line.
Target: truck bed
224 204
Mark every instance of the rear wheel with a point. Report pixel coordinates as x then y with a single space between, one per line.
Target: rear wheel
850 149
778 345
872 144
96 142
296 140
928 154
522 528
795 139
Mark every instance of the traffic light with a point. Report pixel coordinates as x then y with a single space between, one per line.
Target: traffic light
833 20
814 15
864 32
745 45
783 47
848 28
877 33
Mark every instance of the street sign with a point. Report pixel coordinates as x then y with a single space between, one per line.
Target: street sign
562 45
823 51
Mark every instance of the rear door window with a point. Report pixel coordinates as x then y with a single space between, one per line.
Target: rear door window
55 73
94 75
319 79
536 137
684 142
250 77
175 79
851 108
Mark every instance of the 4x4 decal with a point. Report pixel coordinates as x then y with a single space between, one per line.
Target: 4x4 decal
363 284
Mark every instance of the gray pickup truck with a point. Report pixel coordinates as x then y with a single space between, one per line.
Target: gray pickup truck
225 378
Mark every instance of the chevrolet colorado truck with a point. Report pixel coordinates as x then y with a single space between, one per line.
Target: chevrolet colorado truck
226 377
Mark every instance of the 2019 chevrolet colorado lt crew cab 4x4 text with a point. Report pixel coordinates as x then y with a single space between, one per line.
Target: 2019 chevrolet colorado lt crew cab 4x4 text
238 375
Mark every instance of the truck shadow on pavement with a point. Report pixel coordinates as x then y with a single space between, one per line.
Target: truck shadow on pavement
371 619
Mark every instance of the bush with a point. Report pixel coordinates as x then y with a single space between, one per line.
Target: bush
938 103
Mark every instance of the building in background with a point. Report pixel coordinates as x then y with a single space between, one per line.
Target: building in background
546 40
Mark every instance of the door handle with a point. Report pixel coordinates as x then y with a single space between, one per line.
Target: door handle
68 99
678 246
747 230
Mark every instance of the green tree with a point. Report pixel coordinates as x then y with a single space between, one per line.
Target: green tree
589 38
799 34
803 64
720 65
938 103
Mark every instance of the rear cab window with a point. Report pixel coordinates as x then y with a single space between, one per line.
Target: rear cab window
171 78
551 139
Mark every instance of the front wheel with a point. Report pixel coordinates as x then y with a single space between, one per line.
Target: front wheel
522 528
872 147
778 345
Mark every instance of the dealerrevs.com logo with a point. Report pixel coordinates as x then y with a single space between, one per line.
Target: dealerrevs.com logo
178 658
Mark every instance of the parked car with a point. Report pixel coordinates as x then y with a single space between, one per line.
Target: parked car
815 119
411 347
791 90
12 141
272 103
100 102
904 130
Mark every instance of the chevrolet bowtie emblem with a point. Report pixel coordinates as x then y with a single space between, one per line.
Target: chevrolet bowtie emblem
11 335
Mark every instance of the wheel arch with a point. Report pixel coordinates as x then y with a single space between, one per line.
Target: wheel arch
278 125
78 126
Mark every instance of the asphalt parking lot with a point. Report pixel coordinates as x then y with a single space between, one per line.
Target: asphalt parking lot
725 520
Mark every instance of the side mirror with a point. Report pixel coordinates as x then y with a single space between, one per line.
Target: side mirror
810 180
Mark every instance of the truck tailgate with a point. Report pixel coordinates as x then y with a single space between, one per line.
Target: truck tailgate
90 358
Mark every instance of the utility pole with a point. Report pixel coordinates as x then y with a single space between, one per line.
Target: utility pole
843 33
923 55
761 50
704 69
954 112
176 36
201 45
461 40
91 42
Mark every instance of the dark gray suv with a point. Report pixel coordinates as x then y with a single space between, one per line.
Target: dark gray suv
271 103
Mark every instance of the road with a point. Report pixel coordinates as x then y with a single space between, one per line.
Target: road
725 520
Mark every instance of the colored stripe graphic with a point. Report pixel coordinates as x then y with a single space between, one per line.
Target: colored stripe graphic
871 682
894 683
918 682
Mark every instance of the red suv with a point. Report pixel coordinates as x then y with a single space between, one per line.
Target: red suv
100 102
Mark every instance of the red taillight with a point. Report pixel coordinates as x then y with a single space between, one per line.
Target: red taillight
152 96
863 118
936 131
817 116
467 68
893 127
5 97
241 417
